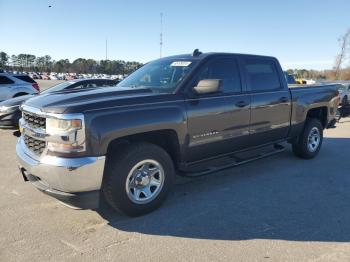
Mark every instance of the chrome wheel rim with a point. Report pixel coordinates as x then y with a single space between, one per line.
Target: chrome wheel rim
314 139
145 181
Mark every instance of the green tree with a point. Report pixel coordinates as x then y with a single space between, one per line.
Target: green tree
3 59
61 66
79 65
14 62
48 63
40 63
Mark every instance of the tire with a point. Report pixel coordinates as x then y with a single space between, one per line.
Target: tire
126 184
309 142
345 101
338 114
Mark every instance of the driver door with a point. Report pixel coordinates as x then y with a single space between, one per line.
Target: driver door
218 123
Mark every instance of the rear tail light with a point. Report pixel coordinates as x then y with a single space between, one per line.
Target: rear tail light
36 86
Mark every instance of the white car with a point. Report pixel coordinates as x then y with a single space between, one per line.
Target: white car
344 93
14 85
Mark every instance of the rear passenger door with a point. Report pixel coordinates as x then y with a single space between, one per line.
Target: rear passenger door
270 100
218 123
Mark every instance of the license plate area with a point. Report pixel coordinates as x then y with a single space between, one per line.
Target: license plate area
28 177
23 173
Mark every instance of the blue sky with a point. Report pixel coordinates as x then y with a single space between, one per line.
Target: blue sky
302 34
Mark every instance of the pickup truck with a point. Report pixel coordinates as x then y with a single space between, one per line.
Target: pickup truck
171 116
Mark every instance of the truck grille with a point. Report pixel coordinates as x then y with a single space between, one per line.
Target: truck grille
34 145
34 121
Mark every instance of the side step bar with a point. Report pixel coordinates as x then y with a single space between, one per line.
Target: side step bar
237 161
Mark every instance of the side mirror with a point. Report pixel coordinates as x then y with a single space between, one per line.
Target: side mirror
208 86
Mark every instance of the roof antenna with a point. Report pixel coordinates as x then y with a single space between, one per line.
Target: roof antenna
196 52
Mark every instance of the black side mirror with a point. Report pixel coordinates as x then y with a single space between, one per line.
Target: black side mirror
208 86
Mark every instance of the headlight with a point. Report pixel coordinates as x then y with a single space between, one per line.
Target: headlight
54 125
65 135
8 109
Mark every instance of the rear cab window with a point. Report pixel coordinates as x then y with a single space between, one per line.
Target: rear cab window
262 75
5 80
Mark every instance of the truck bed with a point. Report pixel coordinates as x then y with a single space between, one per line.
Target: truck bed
294 86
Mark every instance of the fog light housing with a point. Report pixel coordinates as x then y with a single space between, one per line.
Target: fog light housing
64 148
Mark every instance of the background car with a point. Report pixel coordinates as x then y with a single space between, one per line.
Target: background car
14 85
290 79
344 92
9 109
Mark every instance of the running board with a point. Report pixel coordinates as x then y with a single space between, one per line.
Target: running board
196 171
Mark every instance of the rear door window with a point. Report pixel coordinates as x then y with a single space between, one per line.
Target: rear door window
26 79
90 85
106 83
5 80
262 75
100 83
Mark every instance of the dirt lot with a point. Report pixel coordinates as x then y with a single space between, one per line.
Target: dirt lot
277 209
45 84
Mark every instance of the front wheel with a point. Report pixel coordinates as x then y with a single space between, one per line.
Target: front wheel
309 142
138 179
344 101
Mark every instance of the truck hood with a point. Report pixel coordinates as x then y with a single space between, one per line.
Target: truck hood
79 101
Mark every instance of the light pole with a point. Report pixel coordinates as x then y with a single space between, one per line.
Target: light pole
161 35
106 48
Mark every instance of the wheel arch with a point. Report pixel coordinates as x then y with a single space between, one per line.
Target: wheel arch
167 139
20 94
320 113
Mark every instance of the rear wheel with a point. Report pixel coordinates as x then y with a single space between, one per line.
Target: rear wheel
309 143
138 179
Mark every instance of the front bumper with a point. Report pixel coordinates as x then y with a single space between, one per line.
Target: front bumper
75 181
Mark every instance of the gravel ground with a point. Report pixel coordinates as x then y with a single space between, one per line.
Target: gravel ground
276 209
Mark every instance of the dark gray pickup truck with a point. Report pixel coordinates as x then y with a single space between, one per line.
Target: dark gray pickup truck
185 114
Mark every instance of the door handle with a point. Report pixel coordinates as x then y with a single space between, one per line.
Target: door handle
284 99
241 104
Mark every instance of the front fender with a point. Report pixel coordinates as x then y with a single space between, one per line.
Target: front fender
106 126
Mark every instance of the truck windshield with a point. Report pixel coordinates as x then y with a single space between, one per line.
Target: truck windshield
161 76
341 87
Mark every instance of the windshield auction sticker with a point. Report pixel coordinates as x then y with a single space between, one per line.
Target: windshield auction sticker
181 63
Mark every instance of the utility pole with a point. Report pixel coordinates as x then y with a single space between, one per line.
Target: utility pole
161 35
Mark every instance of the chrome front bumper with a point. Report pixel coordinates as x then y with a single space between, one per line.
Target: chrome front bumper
67 175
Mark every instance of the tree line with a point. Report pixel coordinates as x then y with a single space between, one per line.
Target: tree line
331 74
32 63
341 68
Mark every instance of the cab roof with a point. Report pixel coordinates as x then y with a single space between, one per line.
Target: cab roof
206 55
